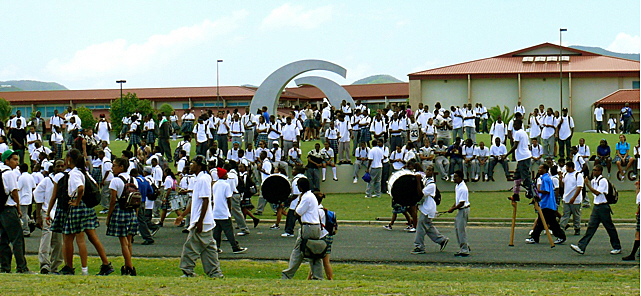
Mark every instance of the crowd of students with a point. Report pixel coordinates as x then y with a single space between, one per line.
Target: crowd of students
439 141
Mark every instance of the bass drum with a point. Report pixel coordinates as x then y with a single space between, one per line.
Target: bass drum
276 188
402 188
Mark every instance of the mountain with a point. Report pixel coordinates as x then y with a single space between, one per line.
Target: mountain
376 79
32 85
7 87
605 52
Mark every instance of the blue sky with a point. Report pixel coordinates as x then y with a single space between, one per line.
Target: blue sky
91 44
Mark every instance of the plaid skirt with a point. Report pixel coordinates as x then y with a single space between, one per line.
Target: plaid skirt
246 203
166 205
329 240
134 139
151 137
175 126
75 220
334 145
366 135
58 151
96 173
261 137
187 127
122 223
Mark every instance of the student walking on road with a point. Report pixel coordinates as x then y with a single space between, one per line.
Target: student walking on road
462 204
427 212
601 213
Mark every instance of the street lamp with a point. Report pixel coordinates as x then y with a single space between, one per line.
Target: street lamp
561 30
217 84
121 107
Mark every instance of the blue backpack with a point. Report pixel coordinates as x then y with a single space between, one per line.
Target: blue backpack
331 225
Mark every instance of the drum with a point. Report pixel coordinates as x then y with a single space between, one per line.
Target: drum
402 188
176 203
276 188
183 200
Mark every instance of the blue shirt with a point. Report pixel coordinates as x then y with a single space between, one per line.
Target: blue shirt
603 151
144 187
452 154
547 199
626 111
623 148
266 115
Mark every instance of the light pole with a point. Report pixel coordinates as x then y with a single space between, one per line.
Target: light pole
217 85
121 107
561 30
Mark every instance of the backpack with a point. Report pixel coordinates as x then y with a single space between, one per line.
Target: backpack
318 116
612 196
131 198
155 192
138 130
437 195
3 195
91 196
177 152
331 224
62 194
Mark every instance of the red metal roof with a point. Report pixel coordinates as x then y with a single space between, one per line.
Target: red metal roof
360 91
618 99
512 63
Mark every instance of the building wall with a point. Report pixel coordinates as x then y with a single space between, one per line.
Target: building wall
537 91
495 92
586 91
415 92
450 93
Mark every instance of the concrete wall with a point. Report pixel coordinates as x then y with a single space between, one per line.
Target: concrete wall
416 93
536 91
453 92
493 92
586 91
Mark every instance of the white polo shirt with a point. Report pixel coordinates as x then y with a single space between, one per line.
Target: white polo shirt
308 208
118 185
43 193
26 185
601 185
498 130
221 191
565 128
296 191
522 150
10 183
376 157
571 182
547 132
107 166
202 192
462 194
428 207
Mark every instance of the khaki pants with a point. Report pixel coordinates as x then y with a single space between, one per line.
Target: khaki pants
200 245
296 258
237 213
425 227
460 223
50 252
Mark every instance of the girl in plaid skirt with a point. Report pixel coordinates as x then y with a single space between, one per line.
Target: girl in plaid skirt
169 194
78 218
122 223
56 142
261 129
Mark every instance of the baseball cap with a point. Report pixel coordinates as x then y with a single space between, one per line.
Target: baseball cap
7 154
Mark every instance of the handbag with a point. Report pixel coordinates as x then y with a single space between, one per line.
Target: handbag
313 248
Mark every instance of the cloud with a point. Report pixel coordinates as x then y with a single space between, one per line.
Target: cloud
625 43
9 72
118 56
289 15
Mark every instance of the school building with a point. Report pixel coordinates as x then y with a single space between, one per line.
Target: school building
198 98
531 76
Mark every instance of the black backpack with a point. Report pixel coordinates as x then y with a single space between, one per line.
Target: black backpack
612 196
91 196
3 195
62 195
437 194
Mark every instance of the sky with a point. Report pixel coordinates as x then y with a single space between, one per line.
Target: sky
91 44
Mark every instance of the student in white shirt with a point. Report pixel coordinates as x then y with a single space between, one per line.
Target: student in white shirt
427 212
182 162
498 130
612 124
470 164
222 193
200 241
572 184
26 185
106 172
523 157
307 210
547 133
537 155
122 222
375 167
328 160
483 158
50 251
397 157
565 131
344 130
598 116
462 204
601 213
361 155
202 136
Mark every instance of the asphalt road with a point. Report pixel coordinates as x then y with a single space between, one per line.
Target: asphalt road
374 244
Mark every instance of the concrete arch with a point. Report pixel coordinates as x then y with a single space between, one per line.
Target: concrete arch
268 93
332 90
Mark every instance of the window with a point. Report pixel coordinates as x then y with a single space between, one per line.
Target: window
200 105
185 106
635 84
47 111
97 107
26 111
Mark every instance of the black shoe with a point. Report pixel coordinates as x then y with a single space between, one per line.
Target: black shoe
124 270
577 232
132 271
68 270
256 221
185 230
461 254
106 269
44 271
153 232
630 257
566 227
182 224
148 242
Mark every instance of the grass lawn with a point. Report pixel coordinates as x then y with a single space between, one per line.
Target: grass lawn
161 277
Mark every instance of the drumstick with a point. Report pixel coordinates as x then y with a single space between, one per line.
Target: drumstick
545 225
514 204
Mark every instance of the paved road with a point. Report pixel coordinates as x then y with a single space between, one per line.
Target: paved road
375 244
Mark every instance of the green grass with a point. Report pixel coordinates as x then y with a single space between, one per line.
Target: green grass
161 277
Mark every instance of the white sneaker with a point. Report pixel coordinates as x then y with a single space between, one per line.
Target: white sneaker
530 241
355 180
615 251
476 177
486 178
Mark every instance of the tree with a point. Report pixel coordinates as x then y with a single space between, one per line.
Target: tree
5 110
131 104
495 111
166 109
86 116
